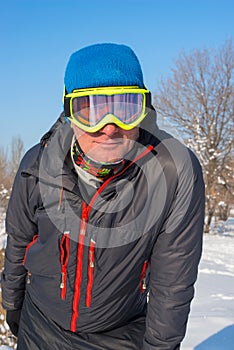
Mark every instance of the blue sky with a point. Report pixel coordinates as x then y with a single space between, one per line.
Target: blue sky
38 36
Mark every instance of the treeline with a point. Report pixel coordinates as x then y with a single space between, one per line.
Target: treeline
9 163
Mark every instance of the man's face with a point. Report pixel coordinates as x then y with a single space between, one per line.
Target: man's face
108 145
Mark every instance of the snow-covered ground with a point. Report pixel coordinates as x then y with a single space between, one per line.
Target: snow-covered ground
211 321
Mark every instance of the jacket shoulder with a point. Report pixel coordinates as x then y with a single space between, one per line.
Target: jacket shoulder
30 160
173 152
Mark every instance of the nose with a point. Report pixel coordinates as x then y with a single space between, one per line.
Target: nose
110 129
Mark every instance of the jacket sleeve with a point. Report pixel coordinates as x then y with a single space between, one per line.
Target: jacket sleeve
174 262
20 227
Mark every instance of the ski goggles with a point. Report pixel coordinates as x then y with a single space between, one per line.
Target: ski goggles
92 109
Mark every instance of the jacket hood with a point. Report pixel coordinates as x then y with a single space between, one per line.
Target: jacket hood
50 162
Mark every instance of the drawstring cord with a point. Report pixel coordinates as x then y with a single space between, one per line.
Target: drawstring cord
60 198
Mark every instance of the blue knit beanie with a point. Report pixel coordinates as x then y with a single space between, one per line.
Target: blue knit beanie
103 65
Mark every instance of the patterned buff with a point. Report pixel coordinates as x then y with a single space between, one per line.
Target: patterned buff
101 170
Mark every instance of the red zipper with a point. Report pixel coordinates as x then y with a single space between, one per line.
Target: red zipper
143 277
80 250
35 237
90 273
80 247
65 252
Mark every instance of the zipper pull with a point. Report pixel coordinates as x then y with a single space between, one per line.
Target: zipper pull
144 284
91 253
28 278
83 227
91 259
60 199
62 281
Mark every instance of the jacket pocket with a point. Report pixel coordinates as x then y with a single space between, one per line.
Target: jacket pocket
143 285
35 237
90 273
64 258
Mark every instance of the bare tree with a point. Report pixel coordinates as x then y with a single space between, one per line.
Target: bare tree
198 99
16 154
4 178
8 169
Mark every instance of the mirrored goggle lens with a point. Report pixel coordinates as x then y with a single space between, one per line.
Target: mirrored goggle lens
90 110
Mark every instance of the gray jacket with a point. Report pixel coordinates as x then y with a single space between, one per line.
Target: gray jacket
88 258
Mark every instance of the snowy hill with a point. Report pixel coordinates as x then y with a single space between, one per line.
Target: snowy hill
211 321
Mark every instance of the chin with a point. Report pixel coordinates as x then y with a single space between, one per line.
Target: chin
107 159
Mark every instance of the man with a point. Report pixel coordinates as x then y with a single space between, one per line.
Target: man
105 219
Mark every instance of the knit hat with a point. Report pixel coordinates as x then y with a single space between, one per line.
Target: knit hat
103 65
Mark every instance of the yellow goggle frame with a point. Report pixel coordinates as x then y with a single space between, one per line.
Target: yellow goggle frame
108 118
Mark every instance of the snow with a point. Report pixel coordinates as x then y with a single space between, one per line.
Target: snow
211 320
2 230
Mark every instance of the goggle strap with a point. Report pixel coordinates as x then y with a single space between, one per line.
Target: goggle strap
148 99
66 104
